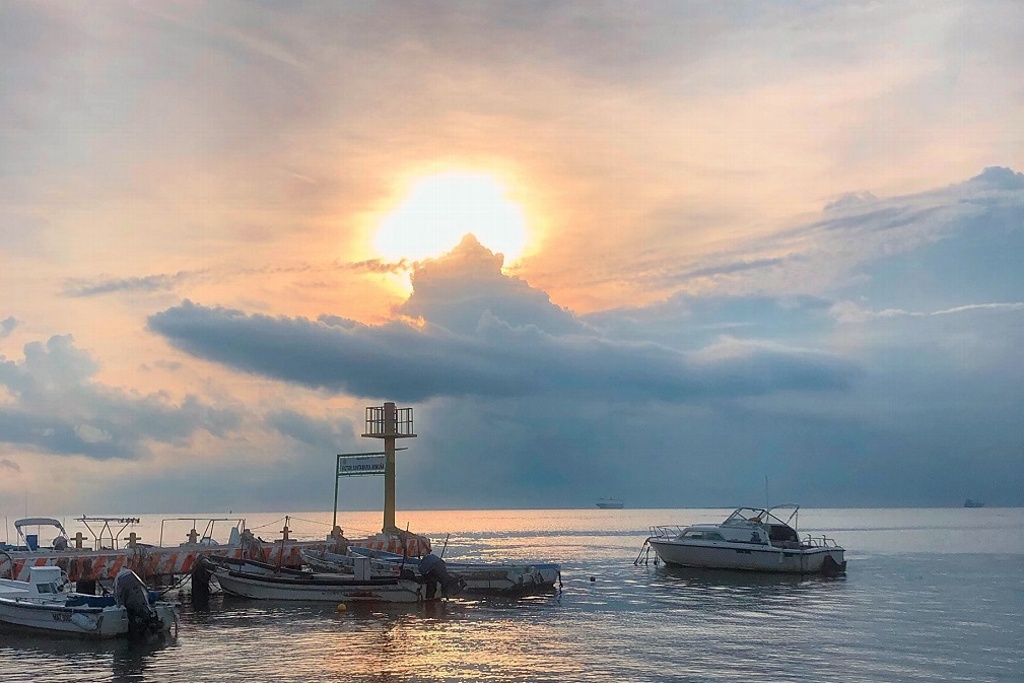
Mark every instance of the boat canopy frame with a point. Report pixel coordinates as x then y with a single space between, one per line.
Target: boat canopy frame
205 537
38 521
772 515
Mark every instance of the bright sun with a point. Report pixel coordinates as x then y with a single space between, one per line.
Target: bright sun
440 209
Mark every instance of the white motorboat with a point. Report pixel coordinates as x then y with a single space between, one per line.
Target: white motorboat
262 581
46 602
471 577
753 539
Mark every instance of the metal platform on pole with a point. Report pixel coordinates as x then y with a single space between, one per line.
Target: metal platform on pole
389 423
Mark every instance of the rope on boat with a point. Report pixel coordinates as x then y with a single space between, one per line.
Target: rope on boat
638 561
264 526
311 521
644 556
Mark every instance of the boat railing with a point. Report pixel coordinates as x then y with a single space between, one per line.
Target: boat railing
665 531
819 542
106 538
206 536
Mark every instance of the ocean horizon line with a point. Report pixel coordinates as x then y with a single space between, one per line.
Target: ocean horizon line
589 508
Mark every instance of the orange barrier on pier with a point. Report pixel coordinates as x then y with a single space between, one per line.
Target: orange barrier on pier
399 543
155 564
148 563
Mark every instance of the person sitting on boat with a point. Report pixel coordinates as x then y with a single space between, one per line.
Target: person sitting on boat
341 543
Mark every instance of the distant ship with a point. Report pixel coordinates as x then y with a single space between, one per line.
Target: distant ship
969 503
609 503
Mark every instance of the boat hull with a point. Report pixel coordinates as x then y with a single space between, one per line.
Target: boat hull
258 581
355 591
517 579
91 622
477 577
748 557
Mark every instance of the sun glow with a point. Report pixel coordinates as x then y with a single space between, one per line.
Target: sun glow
440 209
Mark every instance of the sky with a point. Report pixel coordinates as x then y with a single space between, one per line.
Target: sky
685 254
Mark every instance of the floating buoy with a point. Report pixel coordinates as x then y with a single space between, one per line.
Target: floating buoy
342 607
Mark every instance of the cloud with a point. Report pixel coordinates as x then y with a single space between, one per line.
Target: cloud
169 282
9 465
999 178
468 347
672 328
954 243
972 226
851 200
57 407
850 312
149 283
878 394
455 291
325 435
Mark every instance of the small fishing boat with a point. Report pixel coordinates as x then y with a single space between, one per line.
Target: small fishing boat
609 503
262 581
752 539
468 577
46 602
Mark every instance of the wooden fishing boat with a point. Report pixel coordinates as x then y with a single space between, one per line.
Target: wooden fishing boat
262 581
471 577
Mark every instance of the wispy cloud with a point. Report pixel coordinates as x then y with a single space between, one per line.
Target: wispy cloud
148 283
170 282
850 312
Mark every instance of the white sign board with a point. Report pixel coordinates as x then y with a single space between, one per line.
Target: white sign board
357 465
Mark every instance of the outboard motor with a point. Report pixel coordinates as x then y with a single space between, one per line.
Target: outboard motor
131 593
434 572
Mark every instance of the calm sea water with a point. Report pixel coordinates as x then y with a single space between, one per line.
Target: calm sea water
930 595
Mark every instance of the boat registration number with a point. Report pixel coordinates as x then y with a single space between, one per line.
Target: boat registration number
61 616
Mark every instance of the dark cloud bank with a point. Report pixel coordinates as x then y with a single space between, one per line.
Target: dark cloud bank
695 401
